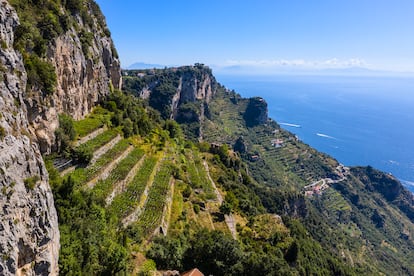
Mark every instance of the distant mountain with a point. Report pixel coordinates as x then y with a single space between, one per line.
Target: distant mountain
143 65
300 70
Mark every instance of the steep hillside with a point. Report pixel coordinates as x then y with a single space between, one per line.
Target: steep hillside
361 216
55 59
172 173
155 196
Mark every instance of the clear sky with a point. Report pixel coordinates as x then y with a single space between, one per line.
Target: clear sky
377 34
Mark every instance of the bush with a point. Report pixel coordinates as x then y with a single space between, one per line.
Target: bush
65 134
83 154
74 6
41 74
31 182
147 268
2 132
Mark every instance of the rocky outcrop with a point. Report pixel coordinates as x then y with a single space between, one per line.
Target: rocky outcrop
256 112
29 235
196 85
240 145
186 84
84 76
85 73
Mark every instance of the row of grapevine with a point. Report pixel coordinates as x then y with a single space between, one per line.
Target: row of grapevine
104 187
198 177
205 182
123 204
83 175
101 139
152 214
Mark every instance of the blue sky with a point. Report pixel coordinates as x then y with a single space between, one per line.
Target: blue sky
376 34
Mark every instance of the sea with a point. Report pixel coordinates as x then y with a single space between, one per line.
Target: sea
359 120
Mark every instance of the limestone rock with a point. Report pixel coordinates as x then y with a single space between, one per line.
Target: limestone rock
256 112
29 235
83 80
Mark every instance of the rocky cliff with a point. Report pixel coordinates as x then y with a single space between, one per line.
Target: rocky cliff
256 112
29 235
168 89
86 67
181 93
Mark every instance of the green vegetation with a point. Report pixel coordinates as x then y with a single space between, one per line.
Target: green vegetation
131 114
30 182
65 134
40 22
123 204
43 21
41 75
83 175
359 224
151 216
98 118
2 132
104 187
92 145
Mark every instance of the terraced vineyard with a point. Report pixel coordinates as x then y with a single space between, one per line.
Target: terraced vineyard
146 193
225 113
104 187
125 203
83 175
197 175
151 217
101 139
95 120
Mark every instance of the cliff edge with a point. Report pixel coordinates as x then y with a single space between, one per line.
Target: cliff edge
80 62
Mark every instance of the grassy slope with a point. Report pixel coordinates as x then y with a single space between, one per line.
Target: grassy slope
366 232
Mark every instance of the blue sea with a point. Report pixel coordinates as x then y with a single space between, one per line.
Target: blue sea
357 120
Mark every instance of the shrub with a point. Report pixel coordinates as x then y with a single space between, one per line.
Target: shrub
41 74
147 268
86 39
30 182
2 132
83 154
73 6
65 133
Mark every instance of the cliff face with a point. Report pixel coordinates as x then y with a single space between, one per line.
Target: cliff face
84 74
29 234
168 89
256 112
181 93
194 86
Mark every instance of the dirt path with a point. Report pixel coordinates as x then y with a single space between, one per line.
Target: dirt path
229 219
121 185
68 170
231 224
105 173
216 191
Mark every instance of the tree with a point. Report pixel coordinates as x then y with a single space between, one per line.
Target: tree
214 253
65 134
173 128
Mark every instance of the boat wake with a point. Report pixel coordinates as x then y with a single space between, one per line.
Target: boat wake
325 136
407 183
289 124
